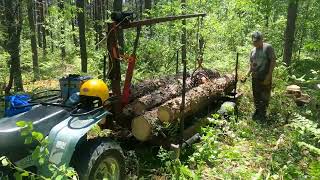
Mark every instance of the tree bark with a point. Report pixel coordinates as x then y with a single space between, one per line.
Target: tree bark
143 89
36 6
117 6
158 97
148 86
149 124
82 35
303 33
74 38
33 38
196 99
63 43
169 91
13 24
43 6
290 31
98 21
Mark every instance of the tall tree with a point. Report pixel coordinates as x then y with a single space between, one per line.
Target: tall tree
63 43
33 38
37 19
147 4
290 31
304 20
82 34
73 21
99 6
13 23
42 11
117 6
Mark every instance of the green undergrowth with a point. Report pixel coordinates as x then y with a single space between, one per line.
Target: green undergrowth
287 146
248 150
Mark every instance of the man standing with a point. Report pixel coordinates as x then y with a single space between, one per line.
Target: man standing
262 63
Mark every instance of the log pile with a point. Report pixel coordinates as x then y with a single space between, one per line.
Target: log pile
165 103
171 90
196 99
150 85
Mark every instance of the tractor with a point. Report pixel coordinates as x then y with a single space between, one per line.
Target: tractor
82 103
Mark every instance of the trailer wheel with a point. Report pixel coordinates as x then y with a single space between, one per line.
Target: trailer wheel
100 159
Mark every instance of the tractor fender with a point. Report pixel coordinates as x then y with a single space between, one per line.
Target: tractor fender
64 137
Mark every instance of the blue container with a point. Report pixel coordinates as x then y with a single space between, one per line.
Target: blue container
71 84
17 104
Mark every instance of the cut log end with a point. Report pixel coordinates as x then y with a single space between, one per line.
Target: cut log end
141 129
139 108
164 114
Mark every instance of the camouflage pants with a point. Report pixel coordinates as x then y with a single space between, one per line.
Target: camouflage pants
261 96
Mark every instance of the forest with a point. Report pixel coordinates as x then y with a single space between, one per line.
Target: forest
42 41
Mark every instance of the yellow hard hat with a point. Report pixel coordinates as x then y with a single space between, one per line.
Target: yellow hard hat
95 88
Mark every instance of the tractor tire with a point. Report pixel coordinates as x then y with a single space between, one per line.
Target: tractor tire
99 159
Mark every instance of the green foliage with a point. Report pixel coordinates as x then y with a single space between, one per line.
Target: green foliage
174 169
314 169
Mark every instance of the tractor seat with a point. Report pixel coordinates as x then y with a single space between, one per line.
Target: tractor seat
44 118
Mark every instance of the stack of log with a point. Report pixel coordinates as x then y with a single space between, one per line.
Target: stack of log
160 102
296 93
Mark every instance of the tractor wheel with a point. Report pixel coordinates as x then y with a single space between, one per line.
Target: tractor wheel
100 159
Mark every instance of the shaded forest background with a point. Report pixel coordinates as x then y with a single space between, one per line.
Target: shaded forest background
42 40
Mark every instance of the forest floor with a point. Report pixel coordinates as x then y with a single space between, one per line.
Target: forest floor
283 147
245 149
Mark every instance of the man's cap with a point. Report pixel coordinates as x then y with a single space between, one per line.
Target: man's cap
256 36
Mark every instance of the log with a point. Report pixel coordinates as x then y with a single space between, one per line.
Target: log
159 96
196 98
172 90
142 88
145 126
148 125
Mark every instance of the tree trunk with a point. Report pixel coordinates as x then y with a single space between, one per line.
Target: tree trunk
196 99
43 6
290 31
147 4
37 20
140 8
149 124
98 21
63 43
117 6
74 38
35 63
303 33
13 24
82 35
